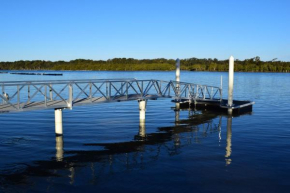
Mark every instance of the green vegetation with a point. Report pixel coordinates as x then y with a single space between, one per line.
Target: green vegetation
130 64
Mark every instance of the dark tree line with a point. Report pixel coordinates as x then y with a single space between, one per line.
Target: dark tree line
130 64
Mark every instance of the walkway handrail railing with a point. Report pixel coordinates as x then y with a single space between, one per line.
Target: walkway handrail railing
29 95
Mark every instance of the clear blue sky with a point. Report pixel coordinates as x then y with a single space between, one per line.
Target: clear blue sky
103 29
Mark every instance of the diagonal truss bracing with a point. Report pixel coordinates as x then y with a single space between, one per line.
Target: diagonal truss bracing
32 95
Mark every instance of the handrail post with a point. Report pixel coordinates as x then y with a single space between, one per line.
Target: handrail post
70 100
197 91
142 87
161 87
91 91
45 96
127 89
18 97
107 89
3 91
122 90
50 92
110 90
28 87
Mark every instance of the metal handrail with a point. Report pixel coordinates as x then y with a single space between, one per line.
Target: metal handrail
20 94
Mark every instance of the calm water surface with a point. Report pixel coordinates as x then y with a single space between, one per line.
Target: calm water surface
104 148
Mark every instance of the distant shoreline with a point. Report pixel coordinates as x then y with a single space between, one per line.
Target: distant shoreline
159 64
33 70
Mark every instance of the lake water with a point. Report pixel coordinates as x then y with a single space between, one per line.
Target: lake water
103 150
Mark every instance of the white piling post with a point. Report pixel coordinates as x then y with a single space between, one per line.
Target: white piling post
142 109
177 74
58 122
231 84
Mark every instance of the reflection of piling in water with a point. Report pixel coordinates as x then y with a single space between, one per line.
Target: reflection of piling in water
220 128
72 175
176 140
115 157
142 129
176 136
229 141
177 109
59 148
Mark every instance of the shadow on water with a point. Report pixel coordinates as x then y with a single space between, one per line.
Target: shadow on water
123 156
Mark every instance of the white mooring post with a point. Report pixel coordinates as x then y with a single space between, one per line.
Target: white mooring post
142 109
58 122
177 79
177 76
231 84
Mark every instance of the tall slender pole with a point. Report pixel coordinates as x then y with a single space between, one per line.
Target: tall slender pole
177 75
58 122
142 109
231 84
177 79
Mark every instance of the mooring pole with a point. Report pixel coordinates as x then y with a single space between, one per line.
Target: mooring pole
142 109
177 75
58 122
231 84
177 79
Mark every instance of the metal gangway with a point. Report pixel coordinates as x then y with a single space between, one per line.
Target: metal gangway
18 96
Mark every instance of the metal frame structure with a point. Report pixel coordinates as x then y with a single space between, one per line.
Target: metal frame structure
33 95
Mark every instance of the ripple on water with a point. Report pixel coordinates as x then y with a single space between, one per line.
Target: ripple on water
103 147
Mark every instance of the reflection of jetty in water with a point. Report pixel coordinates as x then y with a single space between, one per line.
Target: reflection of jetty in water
123 156
229 141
